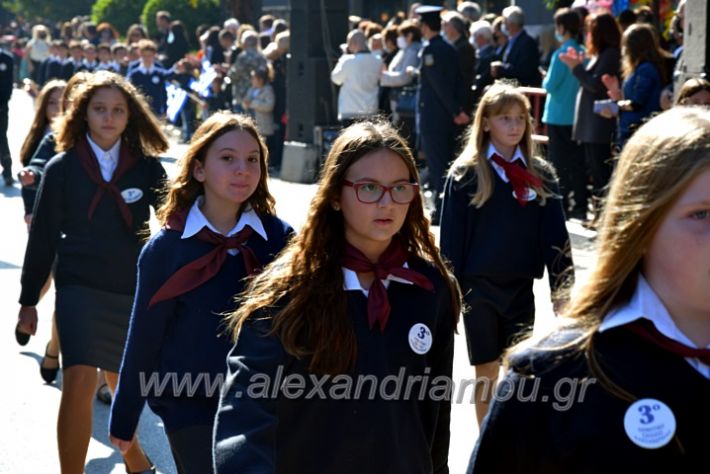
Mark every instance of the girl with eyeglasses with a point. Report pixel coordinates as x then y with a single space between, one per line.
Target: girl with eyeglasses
358 303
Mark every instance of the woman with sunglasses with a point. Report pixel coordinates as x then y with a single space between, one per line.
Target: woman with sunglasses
344 344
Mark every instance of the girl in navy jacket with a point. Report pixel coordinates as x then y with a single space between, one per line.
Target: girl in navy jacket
622 385
91 213
359 303
219 228
502 224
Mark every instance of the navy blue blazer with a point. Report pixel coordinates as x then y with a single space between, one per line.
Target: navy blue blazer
522 61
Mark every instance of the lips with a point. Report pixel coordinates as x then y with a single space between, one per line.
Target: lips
384 221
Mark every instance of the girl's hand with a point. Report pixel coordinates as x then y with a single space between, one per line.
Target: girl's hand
121 444
27 319
27 177
612 85
572 58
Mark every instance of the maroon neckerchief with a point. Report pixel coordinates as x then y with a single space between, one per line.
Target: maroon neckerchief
519 177
647 330
204 268
90 163
390 263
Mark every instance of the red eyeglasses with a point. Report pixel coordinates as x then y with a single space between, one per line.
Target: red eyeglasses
369 192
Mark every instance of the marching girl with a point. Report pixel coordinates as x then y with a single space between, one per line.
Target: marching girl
361 291
632 360
502 224
219 228
49 106
91 212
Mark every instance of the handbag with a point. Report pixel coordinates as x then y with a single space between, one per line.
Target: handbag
406 102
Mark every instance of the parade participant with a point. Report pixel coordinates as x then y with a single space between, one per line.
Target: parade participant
360 292
150 78
49 106
502 224
634 350
188 274
7 77
91 214
439 102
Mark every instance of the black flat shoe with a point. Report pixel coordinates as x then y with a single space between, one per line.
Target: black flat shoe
150 470
22 338
48 375
103 394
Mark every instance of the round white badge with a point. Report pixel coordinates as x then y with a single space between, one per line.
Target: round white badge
649 423
3 67
155 79
529 196
420 338
131 195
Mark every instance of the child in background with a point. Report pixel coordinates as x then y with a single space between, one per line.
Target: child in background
259 102
625 379
218 205
502 225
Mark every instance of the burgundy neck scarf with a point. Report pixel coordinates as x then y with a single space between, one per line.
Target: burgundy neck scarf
204 268
647 330
89 162
389 263
519 177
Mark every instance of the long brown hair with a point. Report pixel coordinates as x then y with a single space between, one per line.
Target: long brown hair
40 122
497 100
654 169
184 189
308 272
640 43
142 134
604 33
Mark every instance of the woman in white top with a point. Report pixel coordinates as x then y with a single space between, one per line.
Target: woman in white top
37 49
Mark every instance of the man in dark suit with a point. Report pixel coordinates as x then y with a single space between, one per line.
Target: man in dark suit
7 65
521 57
439 100
455 31
482 34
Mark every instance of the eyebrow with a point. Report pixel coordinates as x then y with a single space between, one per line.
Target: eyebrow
373 180
227 148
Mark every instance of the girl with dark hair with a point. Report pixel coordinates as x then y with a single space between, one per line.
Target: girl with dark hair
361 292
91 213
219 228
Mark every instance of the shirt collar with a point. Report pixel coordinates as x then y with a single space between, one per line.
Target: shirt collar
112 153
645 304
352 283
145 70
196 220
517 154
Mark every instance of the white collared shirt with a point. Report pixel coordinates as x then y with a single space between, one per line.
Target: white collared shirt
108 159
517 155
352 283
196 220
645 304
145 70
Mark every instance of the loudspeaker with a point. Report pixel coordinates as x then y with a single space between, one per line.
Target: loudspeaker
318 28
695 60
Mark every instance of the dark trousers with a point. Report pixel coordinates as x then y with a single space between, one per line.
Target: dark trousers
600 166
568 159
275 143
438 146
192 449
5 157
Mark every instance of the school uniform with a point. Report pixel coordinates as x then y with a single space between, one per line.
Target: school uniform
7 65
151 81
44 152
93 224
497 251
71 67
51 68
111 67
566 429
269 430
185 334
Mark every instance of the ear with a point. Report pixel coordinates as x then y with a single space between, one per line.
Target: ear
486 126
198 171
335 205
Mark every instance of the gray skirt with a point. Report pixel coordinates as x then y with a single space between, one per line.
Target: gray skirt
92 326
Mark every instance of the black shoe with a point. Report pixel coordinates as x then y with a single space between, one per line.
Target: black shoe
22 338
103 394
150 470
48 375
9 180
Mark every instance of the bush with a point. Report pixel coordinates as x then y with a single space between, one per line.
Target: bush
192 13
120 13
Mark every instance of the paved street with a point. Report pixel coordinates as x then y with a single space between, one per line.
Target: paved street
28 407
